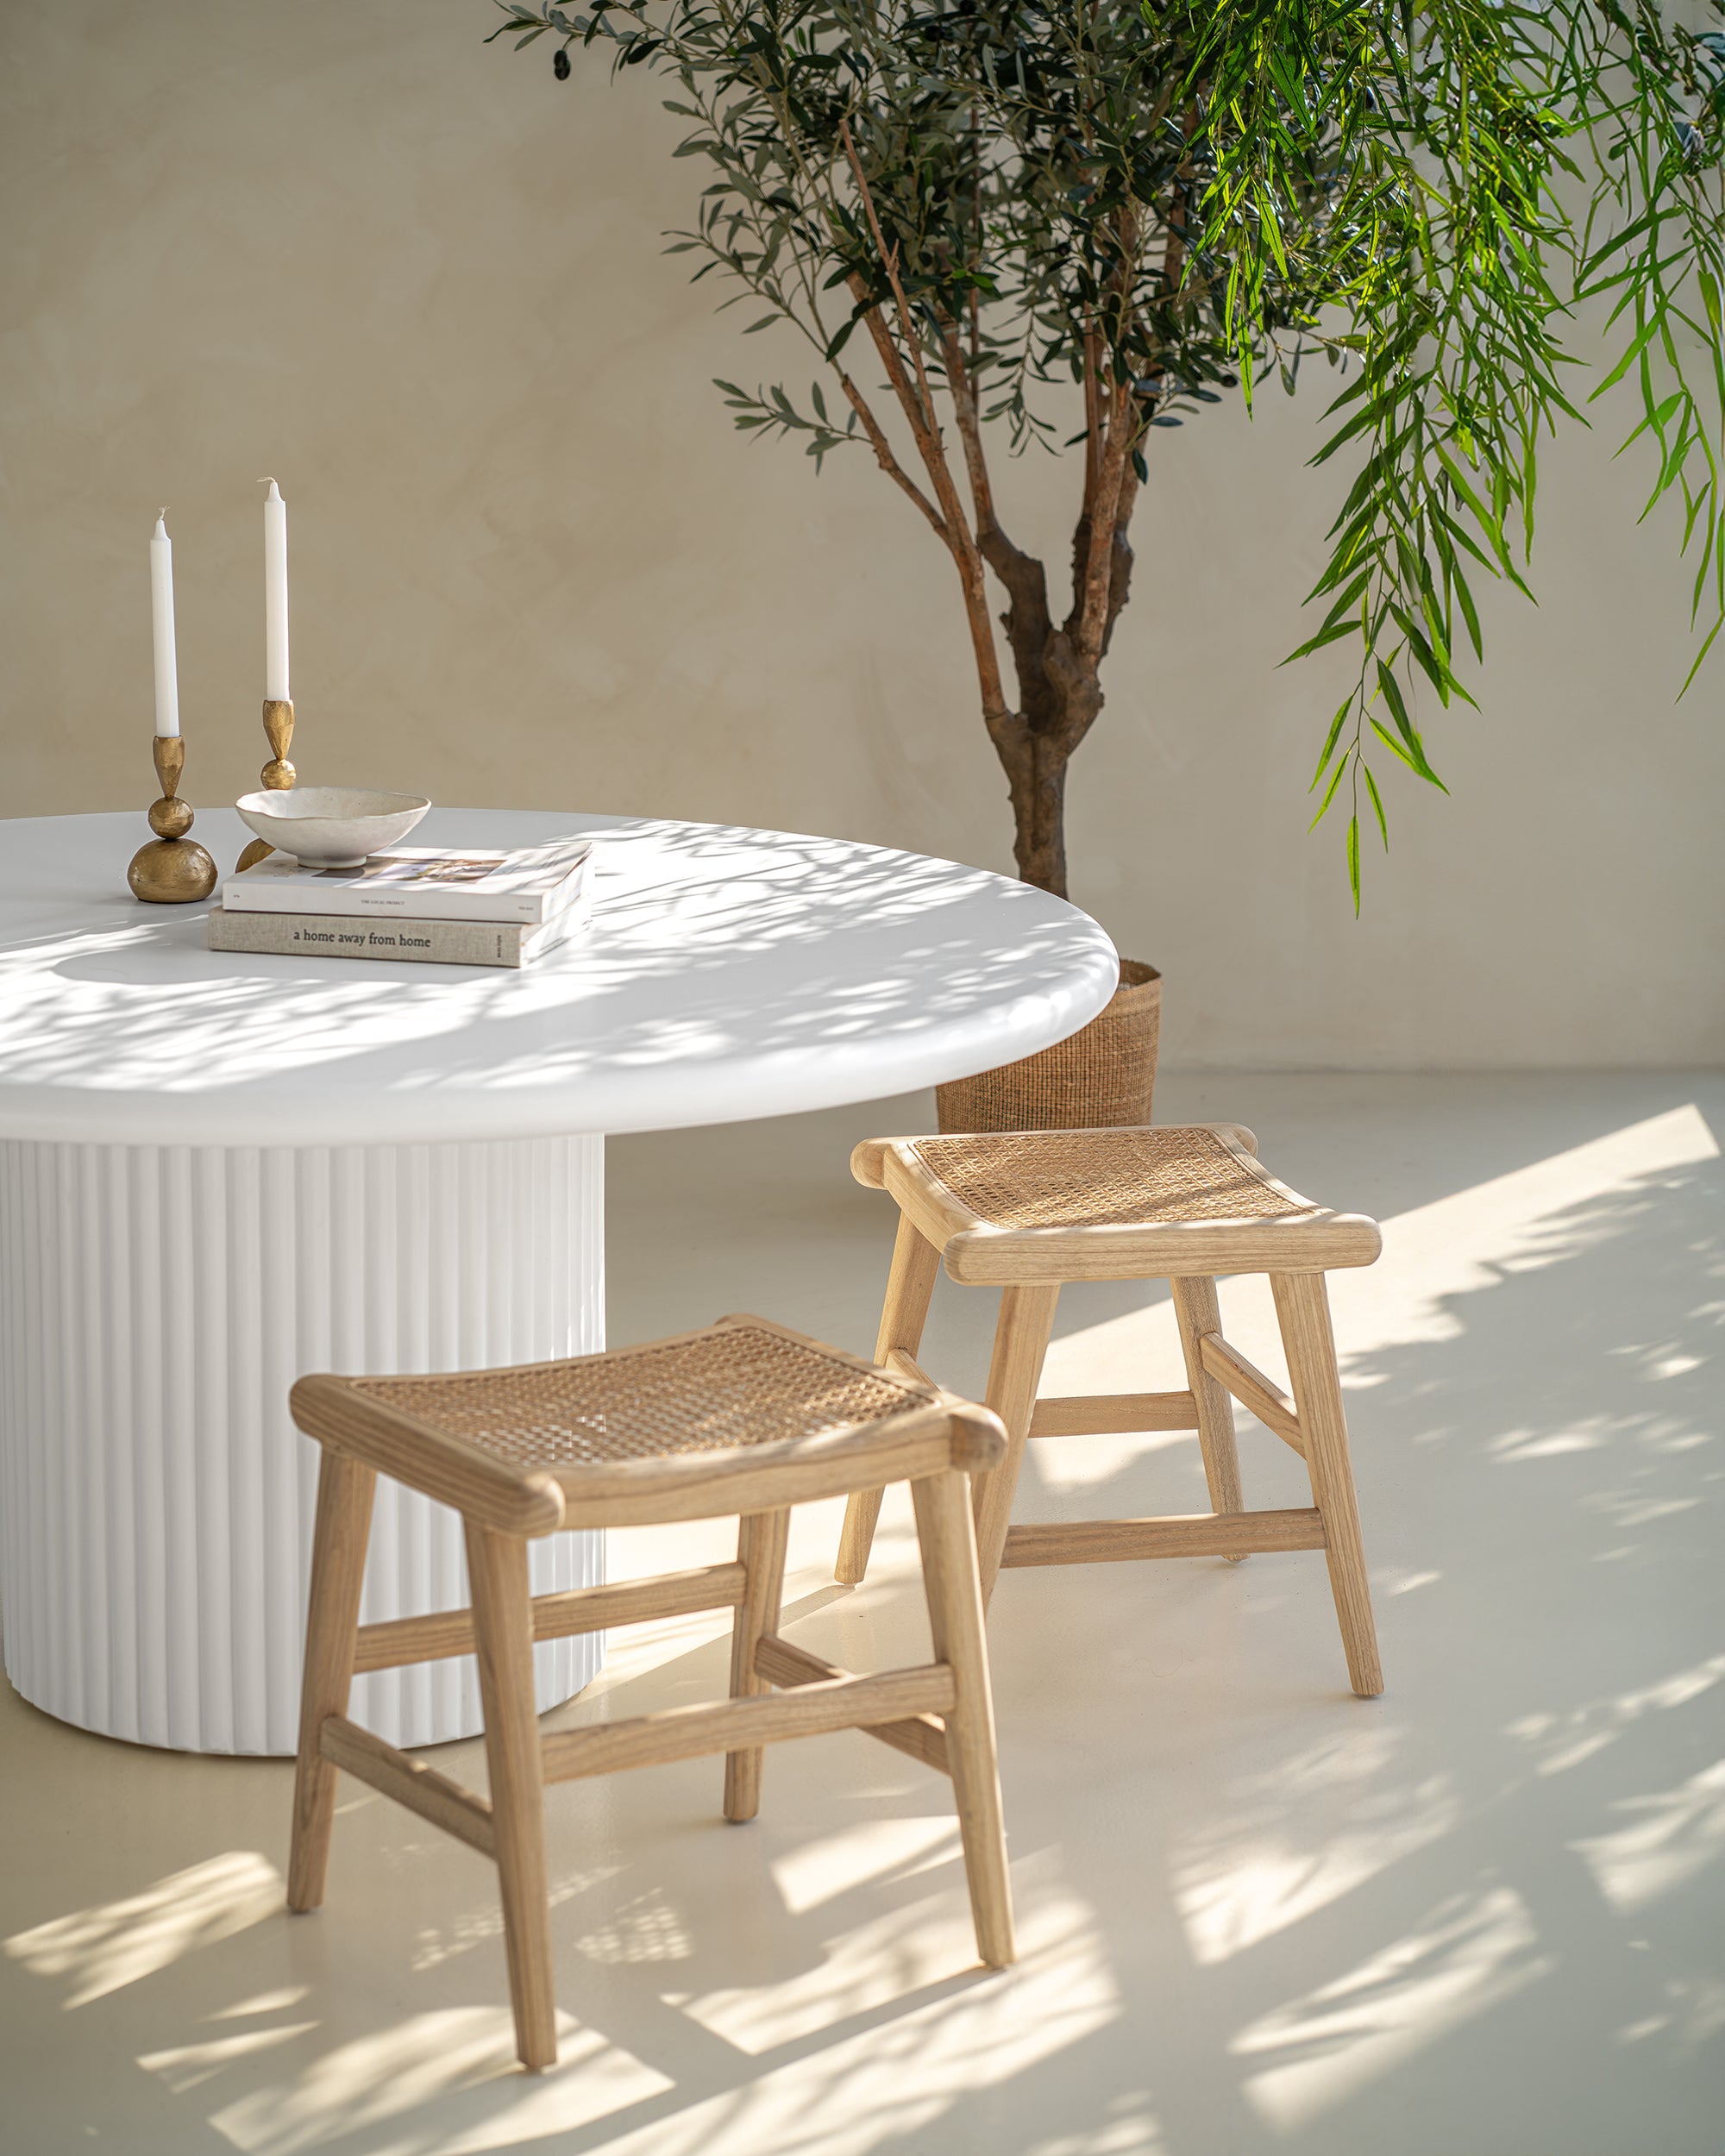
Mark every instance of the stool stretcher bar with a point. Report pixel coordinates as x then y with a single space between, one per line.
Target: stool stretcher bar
1099 1414
409 1781
1252 1389
555 1616
780 1663
739 1725
1203 1534
899 1709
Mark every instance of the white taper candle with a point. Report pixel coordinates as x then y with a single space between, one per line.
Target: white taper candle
275 596
161 612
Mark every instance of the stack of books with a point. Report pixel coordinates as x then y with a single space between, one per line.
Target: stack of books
441 906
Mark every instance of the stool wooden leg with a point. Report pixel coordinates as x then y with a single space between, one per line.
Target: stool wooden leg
909 1287
761 1548
345 1488
947 1536
502 1629
1021 1338
1196 1312
1302 1304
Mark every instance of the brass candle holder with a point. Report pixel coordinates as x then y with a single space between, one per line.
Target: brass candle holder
171 869
278 775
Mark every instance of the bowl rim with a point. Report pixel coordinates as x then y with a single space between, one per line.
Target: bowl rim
272 805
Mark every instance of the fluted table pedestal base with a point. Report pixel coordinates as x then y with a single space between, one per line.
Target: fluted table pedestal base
156 1303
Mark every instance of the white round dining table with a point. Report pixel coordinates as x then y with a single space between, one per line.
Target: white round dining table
219 1171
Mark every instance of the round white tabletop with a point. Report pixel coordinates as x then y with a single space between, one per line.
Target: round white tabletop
218 1172
727 974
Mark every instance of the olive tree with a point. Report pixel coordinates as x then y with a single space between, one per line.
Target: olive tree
984 217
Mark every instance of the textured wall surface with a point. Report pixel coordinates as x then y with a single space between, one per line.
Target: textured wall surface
420 282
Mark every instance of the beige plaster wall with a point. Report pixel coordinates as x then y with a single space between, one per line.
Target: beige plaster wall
341 242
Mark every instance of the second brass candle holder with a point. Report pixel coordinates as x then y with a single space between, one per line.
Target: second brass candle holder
171 869
277 775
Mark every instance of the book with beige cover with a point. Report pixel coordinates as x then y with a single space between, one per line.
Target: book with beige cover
421 942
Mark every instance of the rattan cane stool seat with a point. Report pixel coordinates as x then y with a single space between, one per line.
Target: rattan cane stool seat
1099 1179
1108 1204
733 1385
686 1428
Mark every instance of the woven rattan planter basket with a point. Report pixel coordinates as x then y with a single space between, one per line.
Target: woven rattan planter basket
1102 1074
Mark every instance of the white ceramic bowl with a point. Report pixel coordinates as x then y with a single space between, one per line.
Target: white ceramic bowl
332 826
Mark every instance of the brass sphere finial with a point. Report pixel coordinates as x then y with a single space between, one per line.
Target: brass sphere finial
171 869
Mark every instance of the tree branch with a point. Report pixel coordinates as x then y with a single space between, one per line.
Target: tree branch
920 409
1090 602
1093 417
889 261
951 526
1090 599
969 427
1120 555
889 463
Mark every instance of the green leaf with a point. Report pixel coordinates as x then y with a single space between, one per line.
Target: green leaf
1390 690
1414 757
1333 634
1638 344
1700 655
1329 795
1330 741
1377 802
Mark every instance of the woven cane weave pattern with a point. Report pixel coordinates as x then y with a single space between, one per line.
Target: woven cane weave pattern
736 1385
1097 1179
1104 1074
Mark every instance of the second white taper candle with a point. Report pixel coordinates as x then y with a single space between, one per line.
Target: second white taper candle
275 596
161 618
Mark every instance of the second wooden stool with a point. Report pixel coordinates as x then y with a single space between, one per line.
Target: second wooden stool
1028 1210
744 1417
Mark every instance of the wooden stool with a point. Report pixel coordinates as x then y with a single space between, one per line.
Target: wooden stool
744 1417
1028 1210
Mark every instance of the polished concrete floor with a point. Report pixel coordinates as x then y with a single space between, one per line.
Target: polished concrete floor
1481 1916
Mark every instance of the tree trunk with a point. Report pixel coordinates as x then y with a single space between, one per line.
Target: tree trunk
1040 821
1064 697
1059 696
